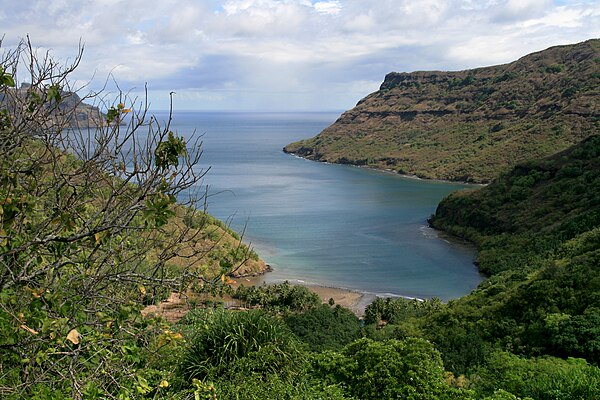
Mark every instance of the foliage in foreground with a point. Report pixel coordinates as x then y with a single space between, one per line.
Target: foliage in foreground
247 355
411 369
545 378
89 232
223 343
325 327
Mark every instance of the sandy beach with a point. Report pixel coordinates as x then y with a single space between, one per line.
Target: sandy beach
354 301
176 306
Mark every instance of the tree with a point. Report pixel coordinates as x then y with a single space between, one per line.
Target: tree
410 369
89 227
282 297
544 378
325 327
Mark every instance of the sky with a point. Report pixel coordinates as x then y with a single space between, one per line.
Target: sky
284 55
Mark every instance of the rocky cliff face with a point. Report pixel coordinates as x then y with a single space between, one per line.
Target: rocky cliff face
469 125
85 115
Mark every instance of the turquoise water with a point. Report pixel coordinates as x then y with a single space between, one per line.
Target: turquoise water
326 224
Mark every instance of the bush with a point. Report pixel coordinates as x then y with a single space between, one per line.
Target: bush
410 369
224 342
325 327
273 387
282 297
545 378
394 311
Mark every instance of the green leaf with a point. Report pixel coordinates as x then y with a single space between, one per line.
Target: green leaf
34 100
111 114
54 93
6 79
142 387
167 153
158 210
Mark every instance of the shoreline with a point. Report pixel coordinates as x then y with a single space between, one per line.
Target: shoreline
353 300
390 171
356 300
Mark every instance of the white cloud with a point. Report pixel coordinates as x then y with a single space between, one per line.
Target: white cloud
564 17
332 7
327 50
361 22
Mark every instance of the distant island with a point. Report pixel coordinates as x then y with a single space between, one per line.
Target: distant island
469 125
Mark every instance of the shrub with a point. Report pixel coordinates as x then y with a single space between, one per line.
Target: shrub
410 369
545 378
281 297
222 342
325 327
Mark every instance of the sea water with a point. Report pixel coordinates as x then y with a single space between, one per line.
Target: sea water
326 224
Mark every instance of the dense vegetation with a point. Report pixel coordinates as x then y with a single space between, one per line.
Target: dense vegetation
469 125
279 298
90 232
538 230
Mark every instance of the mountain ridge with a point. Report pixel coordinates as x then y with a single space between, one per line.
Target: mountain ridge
469 125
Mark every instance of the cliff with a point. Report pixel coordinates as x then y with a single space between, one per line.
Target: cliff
469 125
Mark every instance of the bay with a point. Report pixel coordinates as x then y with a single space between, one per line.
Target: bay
316 223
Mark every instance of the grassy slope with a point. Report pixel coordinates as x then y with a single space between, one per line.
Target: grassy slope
469 125
217 243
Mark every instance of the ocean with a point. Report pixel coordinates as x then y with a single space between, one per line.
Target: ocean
325 224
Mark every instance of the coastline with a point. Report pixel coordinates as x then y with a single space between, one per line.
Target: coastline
353 300
390 171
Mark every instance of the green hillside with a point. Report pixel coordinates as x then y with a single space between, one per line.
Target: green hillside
469 125
531 329
536 207
538 231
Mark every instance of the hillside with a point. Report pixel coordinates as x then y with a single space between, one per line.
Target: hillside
538 231
469 125
542 203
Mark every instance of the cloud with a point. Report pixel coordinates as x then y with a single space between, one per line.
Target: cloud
566 18
323 51
332 7
511 10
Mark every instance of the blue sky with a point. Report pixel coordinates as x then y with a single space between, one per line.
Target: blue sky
286 54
